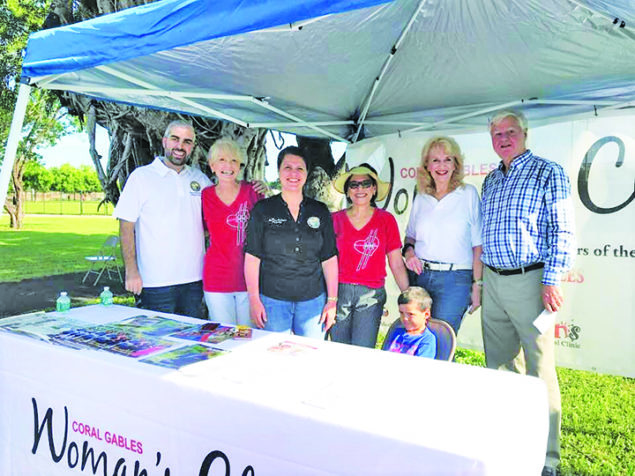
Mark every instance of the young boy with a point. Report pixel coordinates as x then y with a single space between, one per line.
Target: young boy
414 338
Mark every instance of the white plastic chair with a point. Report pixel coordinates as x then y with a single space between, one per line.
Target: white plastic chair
105 261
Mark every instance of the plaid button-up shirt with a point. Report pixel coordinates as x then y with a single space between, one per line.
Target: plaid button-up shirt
528 217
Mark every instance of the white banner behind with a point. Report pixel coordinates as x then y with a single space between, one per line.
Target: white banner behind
594 330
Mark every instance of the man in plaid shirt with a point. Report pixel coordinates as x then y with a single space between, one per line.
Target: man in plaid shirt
527 246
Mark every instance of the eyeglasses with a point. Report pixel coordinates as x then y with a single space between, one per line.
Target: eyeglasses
364 184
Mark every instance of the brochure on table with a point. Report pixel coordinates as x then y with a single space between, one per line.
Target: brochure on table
271 404
152 339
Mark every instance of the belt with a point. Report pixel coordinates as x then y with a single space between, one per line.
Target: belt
435 266
521 270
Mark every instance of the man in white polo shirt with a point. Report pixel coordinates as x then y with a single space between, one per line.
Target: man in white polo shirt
161 228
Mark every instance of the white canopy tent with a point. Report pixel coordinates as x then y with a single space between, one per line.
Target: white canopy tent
346 69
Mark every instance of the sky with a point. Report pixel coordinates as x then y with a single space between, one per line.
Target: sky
73 149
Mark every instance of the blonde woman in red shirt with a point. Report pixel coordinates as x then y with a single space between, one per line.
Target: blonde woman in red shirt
226 208
366 236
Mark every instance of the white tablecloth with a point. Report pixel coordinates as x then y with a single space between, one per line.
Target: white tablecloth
334 410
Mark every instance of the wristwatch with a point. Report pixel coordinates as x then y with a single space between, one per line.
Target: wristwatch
405 248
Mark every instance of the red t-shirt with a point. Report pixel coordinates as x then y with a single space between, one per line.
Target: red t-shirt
362 253
223 269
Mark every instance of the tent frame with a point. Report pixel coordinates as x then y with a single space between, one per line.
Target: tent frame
13 140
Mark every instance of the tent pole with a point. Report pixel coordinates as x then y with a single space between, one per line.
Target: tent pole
253 100
213 112
384 68
152 87
617 106
299 121
12 141
480 112
611 19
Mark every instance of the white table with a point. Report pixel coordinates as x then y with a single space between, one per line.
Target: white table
335 410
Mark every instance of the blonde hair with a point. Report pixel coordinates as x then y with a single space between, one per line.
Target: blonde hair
425 182
228 145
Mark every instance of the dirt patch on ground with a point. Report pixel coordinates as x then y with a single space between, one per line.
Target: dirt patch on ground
40 294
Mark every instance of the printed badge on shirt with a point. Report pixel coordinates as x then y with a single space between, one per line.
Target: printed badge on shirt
195 188
313 222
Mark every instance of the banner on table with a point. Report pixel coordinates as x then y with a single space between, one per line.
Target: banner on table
595 328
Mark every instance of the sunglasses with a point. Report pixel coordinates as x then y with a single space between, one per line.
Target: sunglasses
364 184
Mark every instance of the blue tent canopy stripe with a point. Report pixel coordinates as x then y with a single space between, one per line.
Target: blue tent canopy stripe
350 69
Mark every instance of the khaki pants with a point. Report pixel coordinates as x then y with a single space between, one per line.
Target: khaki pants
510 306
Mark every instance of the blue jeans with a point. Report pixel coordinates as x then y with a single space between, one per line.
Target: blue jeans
450 293
301 317
359 311
184 299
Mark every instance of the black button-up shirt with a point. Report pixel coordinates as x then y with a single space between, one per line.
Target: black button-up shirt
291 253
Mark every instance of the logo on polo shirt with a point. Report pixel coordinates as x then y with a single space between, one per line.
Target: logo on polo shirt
313 222
277 221
195 186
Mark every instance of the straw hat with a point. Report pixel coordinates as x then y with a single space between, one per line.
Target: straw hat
382 187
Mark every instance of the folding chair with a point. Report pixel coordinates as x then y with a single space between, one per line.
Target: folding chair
446 339
105 261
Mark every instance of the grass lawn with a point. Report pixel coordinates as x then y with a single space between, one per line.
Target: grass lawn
50 245
598 420
598 411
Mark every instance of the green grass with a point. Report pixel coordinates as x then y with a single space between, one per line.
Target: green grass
50 245
598 420
68 207
598 411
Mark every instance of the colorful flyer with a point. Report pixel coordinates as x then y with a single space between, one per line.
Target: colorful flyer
189 354
153 325
211 333
112 338
39 325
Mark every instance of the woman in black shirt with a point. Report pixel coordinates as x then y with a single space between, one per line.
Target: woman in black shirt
291 256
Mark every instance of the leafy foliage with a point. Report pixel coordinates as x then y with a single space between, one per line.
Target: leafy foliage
45 120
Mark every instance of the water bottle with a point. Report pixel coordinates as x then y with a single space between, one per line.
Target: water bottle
63 302
106 296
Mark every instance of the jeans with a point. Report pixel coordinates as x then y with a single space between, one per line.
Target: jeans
183 299
450 293
301 317
359 311
229 308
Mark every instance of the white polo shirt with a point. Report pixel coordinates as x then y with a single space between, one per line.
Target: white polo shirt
165 207
446 230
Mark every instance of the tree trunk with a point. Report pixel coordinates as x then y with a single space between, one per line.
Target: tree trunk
14 204
324 170
135 133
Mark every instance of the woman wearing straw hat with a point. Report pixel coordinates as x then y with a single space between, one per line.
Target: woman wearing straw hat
443 236
365 235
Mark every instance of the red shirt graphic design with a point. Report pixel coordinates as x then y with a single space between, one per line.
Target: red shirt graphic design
362 253
223 269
